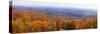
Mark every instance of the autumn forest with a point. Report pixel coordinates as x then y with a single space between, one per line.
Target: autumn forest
27 19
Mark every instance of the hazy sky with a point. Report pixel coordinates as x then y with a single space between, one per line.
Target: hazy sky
82 2
63 3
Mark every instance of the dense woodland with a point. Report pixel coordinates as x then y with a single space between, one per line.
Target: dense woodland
33 21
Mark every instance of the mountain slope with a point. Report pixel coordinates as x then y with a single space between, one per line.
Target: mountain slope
69 12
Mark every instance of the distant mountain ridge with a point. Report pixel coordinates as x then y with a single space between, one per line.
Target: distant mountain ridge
69 12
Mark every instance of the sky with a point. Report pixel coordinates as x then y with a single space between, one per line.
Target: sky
82 2
91 4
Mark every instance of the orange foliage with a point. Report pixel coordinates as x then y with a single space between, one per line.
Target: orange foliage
33 21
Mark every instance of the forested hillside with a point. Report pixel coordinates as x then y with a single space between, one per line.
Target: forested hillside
34 21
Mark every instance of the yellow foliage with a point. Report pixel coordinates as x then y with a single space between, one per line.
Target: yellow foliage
33 21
